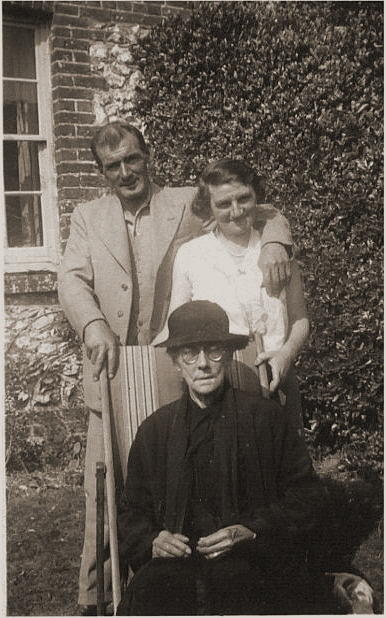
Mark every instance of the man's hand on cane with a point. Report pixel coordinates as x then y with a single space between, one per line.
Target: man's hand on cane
224 540
101 345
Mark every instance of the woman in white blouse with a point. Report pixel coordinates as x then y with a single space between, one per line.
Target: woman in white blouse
222 266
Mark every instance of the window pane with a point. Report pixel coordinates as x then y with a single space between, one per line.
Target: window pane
21 166
19 52
20 108
24 221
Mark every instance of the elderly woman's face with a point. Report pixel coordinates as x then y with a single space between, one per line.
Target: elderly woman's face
203 367
233 206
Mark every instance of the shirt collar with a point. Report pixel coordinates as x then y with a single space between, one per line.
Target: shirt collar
133 218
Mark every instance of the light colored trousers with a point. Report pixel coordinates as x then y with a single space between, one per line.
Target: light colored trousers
95 453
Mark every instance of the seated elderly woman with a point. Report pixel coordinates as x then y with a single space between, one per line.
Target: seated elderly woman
220 492
223 267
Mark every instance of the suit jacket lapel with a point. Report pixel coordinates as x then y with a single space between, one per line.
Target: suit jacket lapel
173 225
166 214
110 225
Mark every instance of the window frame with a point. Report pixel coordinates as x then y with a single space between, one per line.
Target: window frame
22 259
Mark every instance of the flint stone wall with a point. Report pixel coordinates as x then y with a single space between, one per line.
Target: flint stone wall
45 420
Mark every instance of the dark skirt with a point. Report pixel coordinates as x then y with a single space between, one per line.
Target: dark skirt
230 585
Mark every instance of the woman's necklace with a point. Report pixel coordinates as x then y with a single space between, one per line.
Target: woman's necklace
231 247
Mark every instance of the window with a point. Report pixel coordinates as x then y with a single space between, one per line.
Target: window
29 187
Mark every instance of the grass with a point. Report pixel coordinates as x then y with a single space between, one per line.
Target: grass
44 539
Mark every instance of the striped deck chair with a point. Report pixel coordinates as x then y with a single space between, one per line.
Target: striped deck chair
149 381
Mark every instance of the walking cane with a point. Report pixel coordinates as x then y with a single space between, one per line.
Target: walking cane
110 489
259 329
100 536
262 368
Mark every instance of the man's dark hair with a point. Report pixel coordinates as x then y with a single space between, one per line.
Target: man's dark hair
221 172
110 135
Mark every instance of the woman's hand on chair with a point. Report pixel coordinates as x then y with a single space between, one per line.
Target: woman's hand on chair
280 363
224 540
168 545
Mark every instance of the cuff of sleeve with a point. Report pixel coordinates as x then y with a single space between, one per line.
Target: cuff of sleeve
90 322
289 248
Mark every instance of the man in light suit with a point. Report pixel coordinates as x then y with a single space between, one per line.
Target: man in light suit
114 282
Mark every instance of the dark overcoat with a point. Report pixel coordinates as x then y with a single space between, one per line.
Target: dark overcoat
281 489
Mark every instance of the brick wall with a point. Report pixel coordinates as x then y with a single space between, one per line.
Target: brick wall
90 68
92 77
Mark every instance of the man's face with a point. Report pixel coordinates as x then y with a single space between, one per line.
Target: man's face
125 169
202 374
233 206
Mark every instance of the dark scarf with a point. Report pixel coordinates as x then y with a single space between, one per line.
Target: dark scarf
225 437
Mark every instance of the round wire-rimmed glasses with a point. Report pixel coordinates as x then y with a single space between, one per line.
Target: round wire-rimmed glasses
214 353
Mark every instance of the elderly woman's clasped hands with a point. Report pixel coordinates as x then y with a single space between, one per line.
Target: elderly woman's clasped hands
215 545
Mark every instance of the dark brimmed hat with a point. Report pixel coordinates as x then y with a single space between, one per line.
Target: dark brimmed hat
200 321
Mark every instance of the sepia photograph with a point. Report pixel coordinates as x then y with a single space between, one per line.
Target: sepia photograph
193 307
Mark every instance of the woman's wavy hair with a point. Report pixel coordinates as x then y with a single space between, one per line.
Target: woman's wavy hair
221 172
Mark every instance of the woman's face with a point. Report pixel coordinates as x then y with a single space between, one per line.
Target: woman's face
202 374
233 206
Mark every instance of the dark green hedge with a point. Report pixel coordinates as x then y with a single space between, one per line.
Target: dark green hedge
296 89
